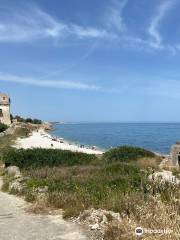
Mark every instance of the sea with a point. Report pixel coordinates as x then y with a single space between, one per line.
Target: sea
157 137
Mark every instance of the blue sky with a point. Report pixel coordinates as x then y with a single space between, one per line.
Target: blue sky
89 60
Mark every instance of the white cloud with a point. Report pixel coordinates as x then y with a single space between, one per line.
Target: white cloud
28 25
32 23
114 15
60 84
49 83
83 32
153 30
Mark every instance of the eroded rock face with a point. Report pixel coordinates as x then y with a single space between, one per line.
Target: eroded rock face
13 171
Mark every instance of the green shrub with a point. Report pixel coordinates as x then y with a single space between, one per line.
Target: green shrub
45 157
27 120
3 127
126 154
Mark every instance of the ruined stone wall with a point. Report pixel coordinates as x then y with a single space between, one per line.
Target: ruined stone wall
175 152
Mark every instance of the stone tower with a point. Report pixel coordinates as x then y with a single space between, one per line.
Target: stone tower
5 109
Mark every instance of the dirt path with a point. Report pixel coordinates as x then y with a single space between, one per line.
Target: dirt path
16 224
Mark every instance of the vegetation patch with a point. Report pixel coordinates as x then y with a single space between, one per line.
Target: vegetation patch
126 154
45 157
76 188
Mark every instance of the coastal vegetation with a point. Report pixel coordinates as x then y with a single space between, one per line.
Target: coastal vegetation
126 154
116 181
26 120
45 157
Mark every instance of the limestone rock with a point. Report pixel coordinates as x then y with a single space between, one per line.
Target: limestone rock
13 171
164 176
95 226
15 186
98 217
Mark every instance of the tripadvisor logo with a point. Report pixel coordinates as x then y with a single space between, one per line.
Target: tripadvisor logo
139 231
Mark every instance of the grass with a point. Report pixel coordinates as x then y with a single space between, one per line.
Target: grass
151 213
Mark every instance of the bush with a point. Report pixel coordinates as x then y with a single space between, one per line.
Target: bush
45 157
37 121
28 120
126 154
3 127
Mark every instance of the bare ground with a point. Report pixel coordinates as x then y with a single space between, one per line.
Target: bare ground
17 224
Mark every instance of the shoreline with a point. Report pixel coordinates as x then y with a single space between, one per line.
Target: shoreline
42 139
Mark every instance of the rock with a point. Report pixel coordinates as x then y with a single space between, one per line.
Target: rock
15 186
13 171
95 226
164 176
105 220
100 217
41 190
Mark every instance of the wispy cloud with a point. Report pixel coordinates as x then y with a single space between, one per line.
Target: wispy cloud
153 29
124 36
114 14
49 83
27 25
60 84
31 23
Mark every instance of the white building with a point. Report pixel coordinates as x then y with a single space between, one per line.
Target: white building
5 109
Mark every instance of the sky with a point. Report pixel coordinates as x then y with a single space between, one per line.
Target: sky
89 60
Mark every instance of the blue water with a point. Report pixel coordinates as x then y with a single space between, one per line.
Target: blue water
153 136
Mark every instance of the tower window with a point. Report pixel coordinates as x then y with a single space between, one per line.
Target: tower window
4 98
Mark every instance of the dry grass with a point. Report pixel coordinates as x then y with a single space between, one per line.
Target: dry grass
150 214
149 162
39 207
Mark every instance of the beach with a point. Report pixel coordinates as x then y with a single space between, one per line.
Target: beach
42 139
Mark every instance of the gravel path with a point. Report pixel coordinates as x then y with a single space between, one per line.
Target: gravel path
17 224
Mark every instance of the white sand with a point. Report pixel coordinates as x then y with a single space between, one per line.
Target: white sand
42 139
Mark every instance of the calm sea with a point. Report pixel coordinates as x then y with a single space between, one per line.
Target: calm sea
153 136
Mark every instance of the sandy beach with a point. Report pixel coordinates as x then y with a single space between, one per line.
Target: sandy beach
41 139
